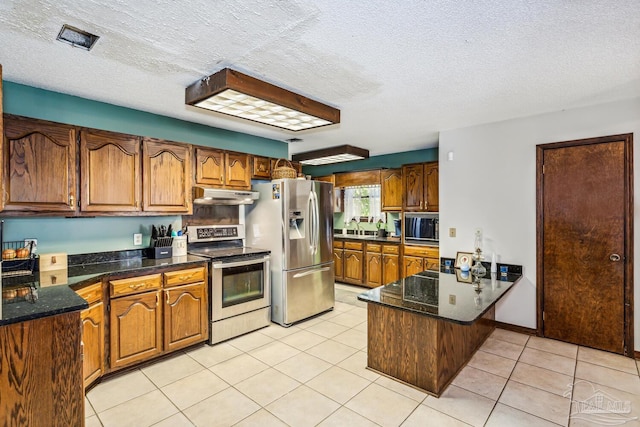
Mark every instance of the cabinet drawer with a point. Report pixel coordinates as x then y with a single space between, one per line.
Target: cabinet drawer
91 293
134 285
374 247
424 251
391 249
338 244
356 246
181 277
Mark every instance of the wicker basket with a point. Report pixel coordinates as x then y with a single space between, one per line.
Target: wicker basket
280 172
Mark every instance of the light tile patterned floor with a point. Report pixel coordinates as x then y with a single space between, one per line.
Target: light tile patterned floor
314 373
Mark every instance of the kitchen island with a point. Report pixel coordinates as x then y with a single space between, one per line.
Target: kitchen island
424 328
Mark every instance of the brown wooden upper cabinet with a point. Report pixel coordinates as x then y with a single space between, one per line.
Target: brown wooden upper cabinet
166 170
39 165
110 178
421 187
261 167
391 189
222 169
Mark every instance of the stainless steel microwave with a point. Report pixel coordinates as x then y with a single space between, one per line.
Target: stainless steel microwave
421 227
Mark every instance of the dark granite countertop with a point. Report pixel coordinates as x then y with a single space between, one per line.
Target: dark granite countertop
445 295
43 301
367 237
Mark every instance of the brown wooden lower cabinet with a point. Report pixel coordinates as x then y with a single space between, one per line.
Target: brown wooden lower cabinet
93 343
41 366
374 265
390 263
338 260
135 328
353 262
423 351
419 258
185 315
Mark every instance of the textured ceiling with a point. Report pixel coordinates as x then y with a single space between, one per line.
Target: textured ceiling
399 71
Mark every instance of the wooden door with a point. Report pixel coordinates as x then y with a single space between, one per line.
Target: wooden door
584 232
110 178
135 328
391 189
238 173
93 342
209 167
166 176
261 167
185 316
412 177
374 270
353 266
412 265
338 263
390 268
39 165
431 187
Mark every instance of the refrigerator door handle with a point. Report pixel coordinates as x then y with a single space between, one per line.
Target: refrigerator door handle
308 272
317 221
311 225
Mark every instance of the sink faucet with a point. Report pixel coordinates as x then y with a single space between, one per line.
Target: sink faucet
358 229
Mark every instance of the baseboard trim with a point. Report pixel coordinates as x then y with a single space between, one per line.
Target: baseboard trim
516 328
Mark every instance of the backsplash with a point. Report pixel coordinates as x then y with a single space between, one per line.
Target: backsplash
85 235
338 223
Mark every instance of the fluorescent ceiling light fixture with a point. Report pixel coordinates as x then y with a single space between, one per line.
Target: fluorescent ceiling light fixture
342 153
76 37
233 93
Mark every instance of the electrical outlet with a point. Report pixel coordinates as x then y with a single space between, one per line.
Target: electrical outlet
452 299
452 232
137 239
35 244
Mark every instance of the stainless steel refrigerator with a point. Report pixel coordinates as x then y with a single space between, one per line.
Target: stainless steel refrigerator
294 219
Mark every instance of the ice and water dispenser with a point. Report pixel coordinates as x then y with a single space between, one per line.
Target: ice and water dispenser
296 225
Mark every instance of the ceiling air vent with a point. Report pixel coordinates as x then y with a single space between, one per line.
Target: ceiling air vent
76 37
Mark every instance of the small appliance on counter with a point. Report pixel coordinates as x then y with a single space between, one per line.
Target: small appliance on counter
161 244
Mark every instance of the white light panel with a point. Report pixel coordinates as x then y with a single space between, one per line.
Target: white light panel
331 159
238 104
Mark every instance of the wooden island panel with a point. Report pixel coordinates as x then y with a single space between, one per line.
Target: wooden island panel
420 350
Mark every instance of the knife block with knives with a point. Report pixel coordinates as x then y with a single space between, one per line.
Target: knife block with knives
161 241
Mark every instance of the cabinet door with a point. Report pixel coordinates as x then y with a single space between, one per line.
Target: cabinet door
110 178
135 328
39 162
185 316
412 265
210 167
353 266
338 263
238 172
412 176
166 176
261 168
432 264
93 342
391 189
431 187
374 270
390 268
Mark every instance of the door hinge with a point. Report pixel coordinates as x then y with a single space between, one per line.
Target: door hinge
543 316
543 169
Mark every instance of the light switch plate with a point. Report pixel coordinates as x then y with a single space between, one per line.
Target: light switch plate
35 244
452 232
137 239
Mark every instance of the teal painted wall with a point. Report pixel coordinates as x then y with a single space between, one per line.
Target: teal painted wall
394 160
57 107
83 235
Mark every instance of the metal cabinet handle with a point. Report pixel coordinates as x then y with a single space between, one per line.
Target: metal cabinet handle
614 257
71 201
167 293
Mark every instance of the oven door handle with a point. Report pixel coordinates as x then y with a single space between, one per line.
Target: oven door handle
306 273
220 265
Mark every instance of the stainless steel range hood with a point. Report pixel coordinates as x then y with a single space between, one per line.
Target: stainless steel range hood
217 196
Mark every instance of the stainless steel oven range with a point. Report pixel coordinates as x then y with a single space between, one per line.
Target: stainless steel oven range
240 285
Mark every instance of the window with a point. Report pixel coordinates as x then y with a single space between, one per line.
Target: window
362 203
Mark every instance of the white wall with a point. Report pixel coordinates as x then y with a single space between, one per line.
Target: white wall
490 184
